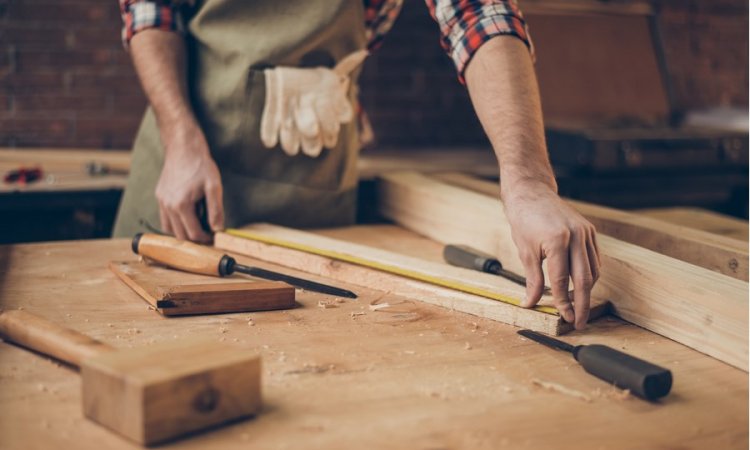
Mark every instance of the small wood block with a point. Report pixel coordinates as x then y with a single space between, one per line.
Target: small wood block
174 293
158 393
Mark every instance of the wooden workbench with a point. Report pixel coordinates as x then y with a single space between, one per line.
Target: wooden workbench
412 376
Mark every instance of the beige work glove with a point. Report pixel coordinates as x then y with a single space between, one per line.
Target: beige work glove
305 107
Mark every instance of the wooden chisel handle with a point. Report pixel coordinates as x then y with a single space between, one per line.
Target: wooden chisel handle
44 336
181 255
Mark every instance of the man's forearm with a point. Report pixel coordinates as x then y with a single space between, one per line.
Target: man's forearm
159 59
503 88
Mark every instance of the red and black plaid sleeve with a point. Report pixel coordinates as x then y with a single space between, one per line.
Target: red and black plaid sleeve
467 24
139 15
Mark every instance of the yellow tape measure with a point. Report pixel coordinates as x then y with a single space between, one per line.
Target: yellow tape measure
455 285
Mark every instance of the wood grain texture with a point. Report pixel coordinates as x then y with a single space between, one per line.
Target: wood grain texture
389 282
412 375
702 309
479 161
702 219
175 293
718 253
154 394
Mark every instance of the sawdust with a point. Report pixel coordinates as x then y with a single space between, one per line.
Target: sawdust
467 346
379 306
134 331
327 304
250 323
223 330
355 314
554 387
312 369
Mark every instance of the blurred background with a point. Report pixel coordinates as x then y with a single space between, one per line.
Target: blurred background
645 104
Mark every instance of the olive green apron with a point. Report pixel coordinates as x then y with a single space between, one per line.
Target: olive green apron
229 43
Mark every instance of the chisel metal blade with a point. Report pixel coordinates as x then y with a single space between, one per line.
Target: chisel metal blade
294 281
546 340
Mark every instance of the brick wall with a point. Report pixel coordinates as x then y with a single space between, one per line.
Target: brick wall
66 82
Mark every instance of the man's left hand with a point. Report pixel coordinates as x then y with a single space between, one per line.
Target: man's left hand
545 227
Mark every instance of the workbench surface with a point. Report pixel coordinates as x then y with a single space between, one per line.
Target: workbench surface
408 376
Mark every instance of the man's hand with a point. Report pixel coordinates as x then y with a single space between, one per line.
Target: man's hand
188 176
503 88
545 227
189 173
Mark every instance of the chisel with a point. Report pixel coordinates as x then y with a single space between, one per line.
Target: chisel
470 258
196 258
624 371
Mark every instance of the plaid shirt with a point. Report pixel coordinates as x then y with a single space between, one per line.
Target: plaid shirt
464 24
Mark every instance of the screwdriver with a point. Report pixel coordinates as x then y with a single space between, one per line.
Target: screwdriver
204 260
624 371
471 258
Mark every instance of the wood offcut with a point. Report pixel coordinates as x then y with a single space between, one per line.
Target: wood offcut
176 293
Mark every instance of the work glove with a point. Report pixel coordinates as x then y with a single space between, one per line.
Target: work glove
305 107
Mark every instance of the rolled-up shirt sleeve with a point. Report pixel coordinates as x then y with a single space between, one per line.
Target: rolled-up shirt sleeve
467 24
139 15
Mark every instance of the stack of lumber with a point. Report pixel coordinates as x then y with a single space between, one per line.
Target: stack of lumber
703 309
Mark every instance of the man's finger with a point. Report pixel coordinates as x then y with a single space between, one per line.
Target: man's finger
166 227
177 228
534 280
215 206
583 279
559 278
192 226
593 259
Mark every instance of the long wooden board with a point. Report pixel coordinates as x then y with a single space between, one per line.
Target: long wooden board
701 219
333 268
718 253
702 309
175 293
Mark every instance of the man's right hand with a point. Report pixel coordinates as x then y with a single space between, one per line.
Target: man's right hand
189 175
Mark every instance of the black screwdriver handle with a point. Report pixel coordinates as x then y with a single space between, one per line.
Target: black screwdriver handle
469 258
625 371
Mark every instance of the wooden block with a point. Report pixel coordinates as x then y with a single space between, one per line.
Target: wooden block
175 293
149 394
702 309
333 265
718 253
154 394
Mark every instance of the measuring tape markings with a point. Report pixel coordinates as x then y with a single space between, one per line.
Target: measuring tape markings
385 268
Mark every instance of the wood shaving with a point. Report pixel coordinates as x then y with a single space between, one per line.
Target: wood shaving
379 306
554 387
327 304
355 314
467 346
250 323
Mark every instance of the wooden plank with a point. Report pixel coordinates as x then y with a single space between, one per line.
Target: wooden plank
702 219
702 309
175 293
365 276
412 375
480 161
718 253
